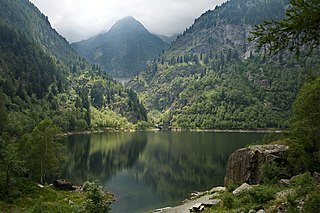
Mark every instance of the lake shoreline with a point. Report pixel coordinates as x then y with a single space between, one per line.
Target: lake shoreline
277 131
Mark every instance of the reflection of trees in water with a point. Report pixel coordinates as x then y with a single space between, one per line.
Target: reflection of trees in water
100 158
176 164
176 173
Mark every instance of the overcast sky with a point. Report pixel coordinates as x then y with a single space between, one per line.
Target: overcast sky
82 19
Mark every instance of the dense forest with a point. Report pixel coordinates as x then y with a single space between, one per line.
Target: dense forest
42 77
46 90
212 77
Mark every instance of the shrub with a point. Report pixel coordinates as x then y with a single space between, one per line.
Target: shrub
312 204
96 198
273 172
304 184
228 200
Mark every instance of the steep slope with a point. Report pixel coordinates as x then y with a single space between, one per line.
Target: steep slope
42 77
124 50
25 17
211 77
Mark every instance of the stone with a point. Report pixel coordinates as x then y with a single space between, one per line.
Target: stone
284 194
284 182
261 211
64 185
252 211
316 176
212 202
242 188
217 189
244 165
214 195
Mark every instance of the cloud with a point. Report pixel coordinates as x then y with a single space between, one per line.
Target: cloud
82 19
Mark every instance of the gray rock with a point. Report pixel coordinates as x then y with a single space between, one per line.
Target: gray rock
284 194
244 165
242 188
217 189
252 211
64 185
261 211
284 182
214 195
316 176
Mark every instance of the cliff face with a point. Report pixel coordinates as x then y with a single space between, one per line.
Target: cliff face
244 165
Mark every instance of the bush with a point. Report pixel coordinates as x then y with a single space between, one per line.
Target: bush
262 194
228 200
81 125
273 172
312 204
96 198
304 184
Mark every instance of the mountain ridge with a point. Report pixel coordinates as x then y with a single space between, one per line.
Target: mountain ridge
211 77
124 50
43 77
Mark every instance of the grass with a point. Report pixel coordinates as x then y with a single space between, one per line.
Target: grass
28 197
304 188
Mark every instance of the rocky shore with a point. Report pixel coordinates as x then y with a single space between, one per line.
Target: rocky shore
244 171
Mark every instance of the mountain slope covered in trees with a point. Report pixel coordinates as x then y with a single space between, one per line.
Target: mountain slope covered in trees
42 77
212 78
124 50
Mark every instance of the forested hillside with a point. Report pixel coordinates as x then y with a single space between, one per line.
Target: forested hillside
42 77
124 50
213 78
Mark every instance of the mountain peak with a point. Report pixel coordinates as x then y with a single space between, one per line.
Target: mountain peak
126 24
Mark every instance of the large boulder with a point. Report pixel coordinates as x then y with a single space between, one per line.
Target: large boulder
244 165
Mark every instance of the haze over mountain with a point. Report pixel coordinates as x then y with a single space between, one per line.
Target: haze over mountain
124 50
77 20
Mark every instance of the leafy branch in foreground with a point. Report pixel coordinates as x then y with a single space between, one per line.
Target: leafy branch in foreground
300 29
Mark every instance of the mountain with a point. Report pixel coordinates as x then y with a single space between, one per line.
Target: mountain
211 77
41 77
124 50
168 39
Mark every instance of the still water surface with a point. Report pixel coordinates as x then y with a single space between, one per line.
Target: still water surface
149 170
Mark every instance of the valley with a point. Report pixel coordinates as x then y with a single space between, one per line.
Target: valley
150 106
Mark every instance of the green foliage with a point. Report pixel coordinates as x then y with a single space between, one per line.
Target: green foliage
11 166
28 197
250 199
222 83
228 200
306 188
242 95
273 172
304 130
43 154
41 77
312 204
97 201
3 113
304 184
300 29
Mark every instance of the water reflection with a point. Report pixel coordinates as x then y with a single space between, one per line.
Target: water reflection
100 156
152 170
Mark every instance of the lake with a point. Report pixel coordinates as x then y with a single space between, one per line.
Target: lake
150 170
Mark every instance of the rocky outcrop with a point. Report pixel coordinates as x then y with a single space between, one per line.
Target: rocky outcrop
244 165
